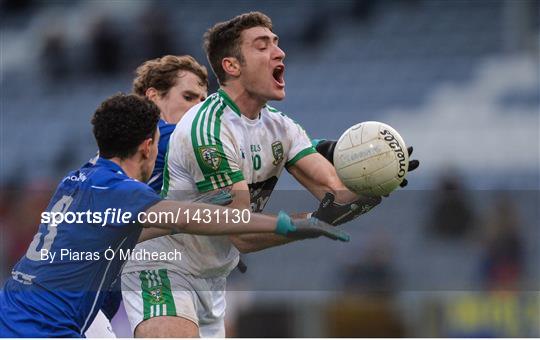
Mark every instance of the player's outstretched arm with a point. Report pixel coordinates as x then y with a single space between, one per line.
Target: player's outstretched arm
251 242
281 225
319 176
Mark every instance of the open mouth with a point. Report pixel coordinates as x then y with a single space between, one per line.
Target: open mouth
278 75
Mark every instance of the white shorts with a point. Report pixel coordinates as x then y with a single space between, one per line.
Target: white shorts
100 327
163 292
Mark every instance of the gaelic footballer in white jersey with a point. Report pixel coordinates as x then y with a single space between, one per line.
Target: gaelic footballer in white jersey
227 148
212 147
243 145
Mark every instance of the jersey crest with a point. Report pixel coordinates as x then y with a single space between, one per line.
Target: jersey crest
210 156
277 152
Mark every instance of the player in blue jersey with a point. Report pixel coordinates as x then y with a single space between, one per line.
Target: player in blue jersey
174 84
57 288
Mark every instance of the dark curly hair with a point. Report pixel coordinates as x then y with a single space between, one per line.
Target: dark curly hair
122 122
223 40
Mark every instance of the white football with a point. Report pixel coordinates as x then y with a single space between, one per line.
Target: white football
371 159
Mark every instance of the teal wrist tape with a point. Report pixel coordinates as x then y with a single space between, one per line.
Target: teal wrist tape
315 142
284 224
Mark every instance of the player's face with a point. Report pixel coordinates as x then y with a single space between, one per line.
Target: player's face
187 92
150 160
262 73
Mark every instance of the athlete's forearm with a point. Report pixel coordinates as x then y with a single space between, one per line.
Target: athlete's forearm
248 243
319 176
152 232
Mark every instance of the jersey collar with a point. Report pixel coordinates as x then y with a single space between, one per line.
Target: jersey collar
229 102
103 162
162 122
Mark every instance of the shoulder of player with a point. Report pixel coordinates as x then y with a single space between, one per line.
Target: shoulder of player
193 116
109 179
276 114
165 128
209 120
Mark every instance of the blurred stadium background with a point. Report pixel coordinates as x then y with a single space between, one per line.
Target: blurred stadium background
457 254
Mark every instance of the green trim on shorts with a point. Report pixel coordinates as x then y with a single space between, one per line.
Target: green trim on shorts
156 294
167 294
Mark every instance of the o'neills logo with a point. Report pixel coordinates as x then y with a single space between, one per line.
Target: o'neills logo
400 154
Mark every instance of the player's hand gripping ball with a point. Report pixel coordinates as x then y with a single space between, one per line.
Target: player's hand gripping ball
372 159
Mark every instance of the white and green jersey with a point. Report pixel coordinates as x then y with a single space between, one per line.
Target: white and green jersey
215 146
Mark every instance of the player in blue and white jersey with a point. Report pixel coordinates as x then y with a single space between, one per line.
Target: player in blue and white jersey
57 288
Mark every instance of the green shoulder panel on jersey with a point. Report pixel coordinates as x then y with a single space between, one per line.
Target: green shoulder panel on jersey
166 176
229 101
272 109
208 147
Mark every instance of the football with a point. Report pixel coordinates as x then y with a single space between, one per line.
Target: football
371 159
